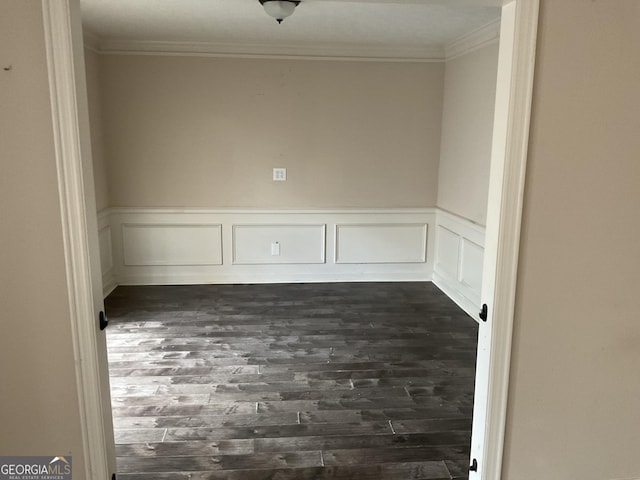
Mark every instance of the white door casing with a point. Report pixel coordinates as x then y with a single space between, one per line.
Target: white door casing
516 60
75 177
70 120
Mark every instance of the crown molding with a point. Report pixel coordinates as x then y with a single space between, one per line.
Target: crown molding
245 50
483 36
91 41
475 40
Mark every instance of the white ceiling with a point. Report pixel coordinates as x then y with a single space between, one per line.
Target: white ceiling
366 28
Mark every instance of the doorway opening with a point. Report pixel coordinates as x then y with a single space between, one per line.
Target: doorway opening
502 228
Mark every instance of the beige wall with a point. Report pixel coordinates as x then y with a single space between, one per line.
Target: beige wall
39 410
467 126
574 401
92 66
573 408
206 132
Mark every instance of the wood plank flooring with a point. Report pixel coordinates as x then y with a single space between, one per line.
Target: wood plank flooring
297 381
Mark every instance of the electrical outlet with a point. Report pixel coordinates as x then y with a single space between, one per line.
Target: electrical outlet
279 174
275 249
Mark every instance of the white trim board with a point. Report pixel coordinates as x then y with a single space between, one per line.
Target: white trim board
519 26
60 34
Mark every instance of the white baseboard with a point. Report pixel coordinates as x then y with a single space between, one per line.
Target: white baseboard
150 246
171 279
458 260
450 289
108 287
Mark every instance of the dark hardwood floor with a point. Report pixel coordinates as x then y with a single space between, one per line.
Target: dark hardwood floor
298 381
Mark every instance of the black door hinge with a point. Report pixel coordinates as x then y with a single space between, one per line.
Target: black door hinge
474 466
484 313
102 319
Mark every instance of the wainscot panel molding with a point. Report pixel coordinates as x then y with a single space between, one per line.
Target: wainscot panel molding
459 260
106 252
155 246
171 244
278 244
381 243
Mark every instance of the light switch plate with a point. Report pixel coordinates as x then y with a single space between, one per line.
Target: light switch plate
279 174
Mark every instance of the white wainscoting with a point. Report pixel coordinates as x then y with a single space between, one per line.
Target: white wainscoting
459 260
147 246
174 245
106 253
381 243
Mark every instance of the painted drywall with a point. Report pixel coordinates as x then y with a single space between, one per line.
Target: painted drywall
92 68
574 397
467 126
39 410
206 132
574 389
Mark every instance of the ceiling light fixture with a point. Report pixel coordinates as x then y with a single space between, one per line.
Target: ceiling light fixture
279 9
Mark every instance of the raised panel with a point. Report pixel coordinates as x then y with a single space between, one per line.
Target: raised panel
471 265
448 252
381 243
166 244
252 244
